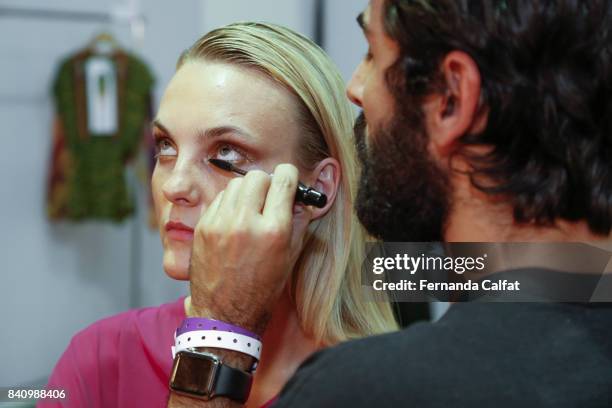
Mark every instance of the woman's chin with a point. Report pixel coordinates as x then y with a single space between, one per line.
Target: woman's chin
178 274
176 270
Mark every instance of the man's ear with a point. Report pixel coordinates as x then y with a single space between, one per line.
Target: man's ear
454 113
326 178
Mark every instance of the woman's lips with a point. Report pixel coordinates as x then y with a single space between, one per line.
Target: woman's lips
178 231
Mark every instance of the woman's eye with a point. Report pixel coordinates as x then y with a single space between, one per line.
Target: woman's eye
163 147
229 153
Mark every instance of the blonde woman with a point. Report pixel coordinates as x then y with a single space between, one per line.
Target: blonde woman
256 95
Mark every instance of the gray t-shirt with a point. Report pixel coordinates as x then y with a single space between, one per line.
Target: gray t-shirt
478 355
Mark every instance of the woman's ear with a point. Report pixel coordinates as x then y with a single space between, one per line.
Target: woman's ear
326 178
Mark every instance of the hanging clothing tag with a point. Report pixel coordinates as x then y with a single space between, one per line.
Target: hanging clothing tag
102 112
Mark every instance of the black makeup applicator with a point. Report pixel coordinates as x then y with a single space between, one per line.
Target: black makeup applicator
305 195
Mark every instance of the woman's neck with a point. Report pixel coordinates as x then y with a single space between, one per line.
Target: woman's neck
285 347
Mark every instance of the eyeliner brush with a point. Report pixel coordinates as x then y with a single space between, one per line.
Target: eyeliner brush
305 195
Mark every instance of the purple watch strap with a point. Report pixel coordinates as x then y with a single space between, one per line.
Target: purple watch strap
201 323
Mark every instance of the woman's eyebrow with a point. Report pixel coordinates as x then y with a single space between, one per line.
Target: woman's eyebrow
156 123
225 129
211 132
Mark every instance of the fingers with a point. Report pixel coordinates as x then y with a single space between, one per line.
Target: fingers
212 210
231 193
253 193
258 192
281 195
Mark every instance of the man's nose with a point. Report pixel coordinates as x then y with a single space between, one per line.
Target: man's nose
354 89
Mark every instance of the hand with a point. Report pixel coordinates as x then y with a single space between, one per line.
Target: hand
245 246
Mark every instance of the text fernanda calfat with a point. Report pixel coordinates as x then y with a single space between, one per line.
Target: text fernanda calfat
469 285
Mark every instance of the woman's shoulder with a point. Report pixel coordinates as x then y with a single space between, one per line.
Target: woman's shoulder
142 321
132 319
136 340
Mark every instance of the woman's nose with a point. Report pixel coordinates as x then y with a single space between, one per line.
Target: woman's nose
181 187
354 89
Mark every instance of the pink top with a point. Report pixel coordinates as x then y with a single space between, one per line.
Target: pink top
121 361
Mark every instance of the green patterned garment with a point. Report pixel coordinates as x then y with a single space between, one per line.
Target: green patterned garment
88 175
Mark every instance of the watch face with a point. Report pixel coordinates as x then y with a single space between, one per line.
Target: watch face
194 374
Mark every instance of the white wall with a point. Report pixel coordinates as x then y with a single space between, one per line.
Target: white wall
343 39
295 14
56 279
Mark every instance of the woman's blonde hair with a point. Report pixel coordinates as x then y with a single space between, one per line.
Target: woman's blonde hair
326 284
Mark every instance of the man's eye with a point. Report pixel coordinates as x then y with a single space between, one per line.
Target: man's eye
229 153
163 147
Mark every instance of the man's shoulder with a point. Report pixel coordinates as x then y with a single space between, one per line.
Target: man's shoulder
363 371
476 354
423 340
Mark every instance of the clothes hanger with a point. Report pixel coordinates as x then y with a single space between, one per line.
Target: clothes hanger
103 43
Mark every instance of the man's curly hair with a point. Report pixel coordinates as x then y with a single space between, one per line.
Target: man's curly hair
546 78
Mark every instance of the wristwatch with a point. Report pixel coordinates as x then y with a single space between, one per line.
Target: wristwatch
204 376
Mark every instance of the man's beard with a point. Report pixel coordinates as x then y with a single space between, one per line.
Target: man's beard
403 194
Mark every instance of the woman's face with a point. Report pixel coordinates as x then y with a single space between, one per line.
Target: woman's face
213 110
